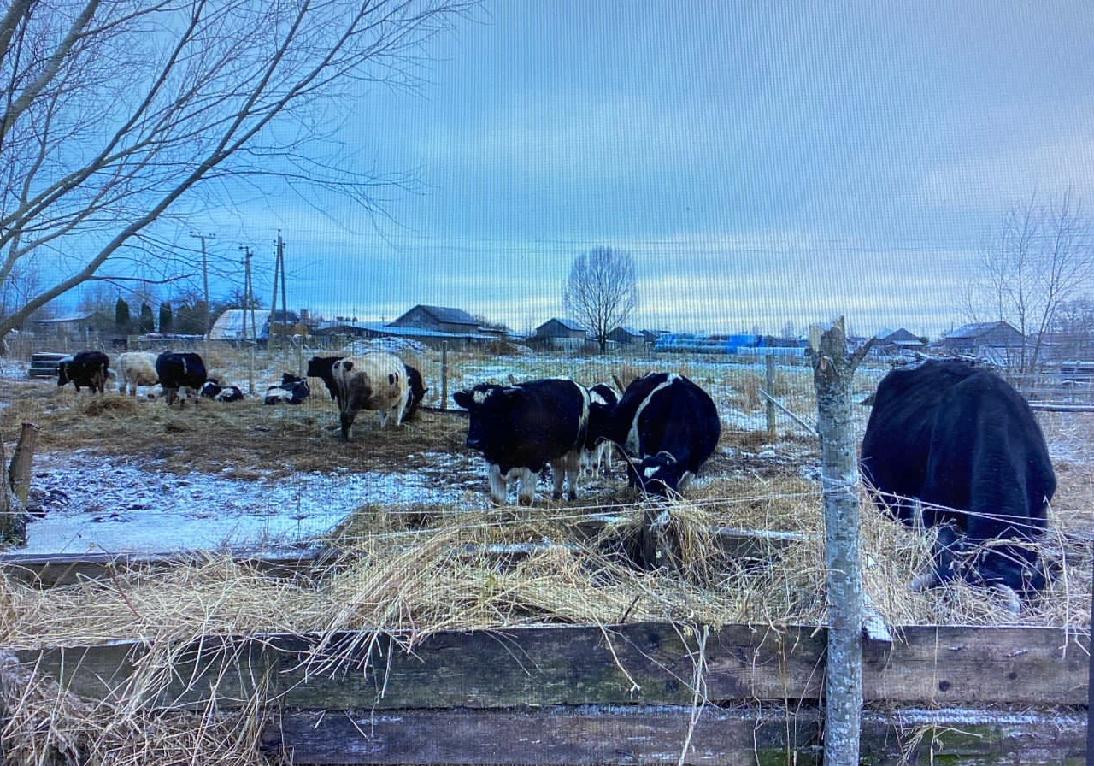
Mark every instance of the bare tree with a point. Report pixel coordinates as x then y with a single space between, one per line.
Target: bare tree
1041 258
116 114
601 291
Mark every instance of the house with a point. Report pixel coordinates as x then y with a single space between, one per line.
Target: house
993 340
74 326
896 342
438 319
235 324
560 333
626 336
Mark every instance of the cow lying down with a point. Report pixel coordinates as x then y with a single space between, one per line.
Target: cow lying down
218 393
520 429
291 390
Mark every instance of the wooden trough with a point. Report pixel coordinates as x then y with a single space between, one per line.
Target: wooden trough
619 694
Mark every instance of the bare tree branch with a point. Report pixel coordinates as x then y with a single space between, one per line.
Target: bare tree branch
601 291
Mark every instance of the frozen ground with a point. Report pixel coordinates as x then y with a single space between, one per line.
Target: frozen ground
95 503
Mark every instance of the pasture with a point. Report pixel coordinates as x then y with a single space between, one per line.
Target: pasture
410 544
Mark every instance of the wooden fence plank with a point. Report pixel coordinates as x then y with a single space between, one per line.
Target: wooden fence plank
643 663
655 735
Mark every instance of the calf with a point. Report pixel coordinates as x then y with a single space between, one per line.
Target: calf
218 393
322 367
669 427
87 368
961 441
520 429
375 381
180 370
137 368
291 390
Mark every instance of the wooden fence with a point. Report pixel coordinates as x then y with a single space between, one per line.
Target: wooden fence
614 694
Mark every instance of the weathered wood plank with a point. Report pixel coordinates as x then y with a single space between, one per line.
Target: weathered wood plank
656 735
643 663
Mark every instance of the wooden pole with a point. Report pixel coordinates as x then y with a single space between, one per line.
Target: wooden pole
13 522
769 363
444 375
833 371
21 461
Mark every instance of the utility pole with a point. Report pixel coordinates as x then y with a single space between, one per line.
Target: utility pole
279 273
205 278
249 307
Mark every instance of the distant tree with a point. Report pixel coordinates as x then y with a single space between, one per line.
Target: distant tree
1075 317
122 320
167 318
236 300
147 322
788 330
601 291
1040 258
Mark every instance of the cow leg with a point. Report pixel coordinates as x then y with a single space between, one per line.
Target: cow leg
346 420
498 484
528 479
400 407
558 476
383 419
573 473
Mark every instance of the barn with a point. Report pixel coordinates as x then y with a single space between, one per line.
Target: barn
998 341
627 336
560 334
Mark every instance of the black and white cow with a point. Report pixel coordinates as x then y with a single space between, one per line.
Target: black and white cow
598 446
87 368
218 393
961 441
669 427
322 367
291 390
180 370
520 429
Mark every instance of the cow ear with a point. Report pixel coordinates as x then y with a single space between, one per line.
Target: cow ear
463 399
347 365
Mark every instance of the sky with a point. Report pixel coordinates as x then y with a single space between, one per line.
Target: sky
764 163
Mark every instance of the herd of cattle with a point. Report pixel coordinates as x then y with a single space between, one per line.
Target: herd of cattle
948 444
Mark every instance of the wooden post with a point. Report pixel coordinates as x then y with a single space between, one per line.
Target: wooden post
833 371
21 460
13 522
444 375
1090 683
769 363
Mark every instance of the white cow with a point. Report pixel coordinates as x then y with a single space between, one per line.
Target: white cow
136 368
375 381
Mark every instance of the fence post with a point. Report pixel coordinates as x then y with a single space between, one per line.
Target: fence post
444 375
21 460
1090 683
833 371
769 363
13 522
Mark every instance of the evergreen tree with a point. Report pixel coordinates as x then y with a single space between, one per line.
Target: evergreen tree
122 320
167 318
147 322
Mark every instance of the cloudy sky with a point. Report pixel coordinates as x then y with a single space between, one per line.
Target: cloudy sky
763 164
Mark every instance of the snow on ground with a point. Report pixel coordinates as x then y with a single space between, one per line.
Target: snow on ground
99 503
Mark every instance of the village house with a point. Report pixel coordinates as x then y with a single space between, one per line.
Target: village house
559 333
998 341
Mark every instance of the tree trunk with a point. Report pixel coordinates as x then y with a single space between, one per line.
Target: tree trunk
13 522
833 371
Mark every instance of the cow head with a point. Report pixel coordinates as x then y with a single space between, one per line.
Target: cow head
658 474
487 404
321 366
62 373
210 389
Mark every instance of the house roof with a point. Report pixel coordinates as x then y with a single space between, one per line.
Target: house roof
449 315
976 329
61 320
900 335
628 330
235 324
569 324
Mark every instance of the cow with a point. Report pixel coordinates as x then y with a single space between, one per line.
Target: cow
668 427
137 368
322 367
598 448
218 393
375 381
177 370
291 390
520 429
87 368
955 446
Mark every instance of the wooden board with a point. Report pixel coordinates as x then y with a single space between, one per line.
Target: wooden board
642 663
656 735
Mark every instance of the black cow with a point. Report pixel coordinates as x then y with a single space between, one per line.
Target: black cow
520 429
964 443
87 368
598 446
669 426
180 370
322 367
292 390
